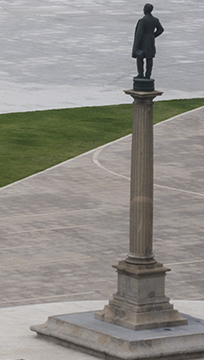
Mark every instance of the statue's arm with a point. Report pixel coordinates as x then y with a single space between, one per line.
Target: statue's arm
159 29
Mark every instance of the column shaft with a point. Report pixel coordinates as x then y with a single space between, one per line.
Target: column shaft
141 196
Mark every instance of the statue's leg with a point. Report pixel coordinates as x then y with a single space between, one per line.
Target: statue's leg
140 68
149 65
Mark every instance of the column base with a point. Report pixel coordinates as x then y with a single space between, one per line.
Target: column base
140 302
139 260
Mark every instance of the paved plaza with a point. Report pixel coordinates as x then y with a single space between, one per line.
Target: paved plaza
62 230
68 53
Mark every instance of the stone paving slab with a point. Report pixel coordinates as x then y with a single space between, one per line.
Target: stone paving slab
62 230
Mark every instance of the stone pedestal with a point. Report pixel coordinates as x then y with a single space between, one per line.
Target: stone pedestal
140 301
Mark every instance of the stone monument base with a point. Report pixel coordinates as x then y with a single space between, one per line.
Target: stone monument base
140 301
142 84
85 333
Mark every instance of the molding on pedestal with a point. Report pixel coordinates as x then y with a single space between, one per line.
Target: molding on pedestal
143 94
141 269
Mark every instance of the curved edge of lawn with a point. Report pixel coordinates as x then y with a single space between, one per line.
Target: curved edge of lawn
96 148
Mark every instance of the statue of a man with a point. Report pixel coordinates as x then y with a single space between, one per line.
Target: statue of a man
147 29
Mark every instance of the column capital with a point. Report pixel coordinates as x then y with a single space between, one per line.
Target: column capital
143 95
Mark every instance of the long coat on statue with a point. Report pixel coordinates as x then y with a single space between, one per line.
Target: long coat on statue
147 29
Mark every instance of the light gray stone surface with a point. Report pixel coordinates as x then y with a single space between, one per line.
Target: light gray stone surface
17 341
65 53
108 341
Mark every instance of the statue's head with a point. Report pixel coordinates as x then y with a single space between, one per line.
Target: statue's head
148 8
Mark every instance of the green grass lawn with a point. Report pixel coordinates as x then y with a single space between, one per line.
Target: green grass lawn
33 141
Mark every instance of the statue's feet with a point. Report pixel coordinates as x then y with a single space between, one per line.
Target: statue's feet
139 77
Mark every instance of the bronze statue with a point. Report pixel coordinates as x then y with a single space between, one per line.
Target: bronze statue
147 29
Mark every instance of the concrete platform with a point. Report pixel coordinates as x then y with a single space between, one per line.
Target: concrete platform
84 333
18 342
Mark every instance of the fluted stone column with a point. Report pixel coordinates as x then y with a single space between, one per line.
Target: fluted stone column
140 301
141 198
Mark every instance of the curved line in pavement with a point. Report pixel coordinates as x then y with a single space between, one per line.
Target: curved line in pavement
97 163
100 149
180 190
